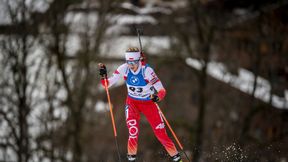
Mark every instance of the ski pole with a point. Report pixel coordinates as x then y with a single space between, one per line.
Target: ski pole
173 133
112 116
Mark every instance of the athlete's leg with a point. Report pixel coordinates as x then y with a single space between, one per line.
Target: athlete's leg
154 118
132 121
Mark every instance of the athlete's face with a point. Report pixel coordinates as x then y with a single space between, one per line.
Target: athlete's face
133 65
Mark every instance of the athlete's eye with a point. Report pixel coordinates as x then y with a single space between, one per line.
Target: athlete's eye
132 62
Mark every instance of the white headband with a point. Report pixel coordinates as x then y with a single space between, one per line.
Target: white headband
132 55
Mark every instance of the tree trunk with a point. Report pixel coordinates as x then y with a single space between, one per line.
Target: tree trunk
202 105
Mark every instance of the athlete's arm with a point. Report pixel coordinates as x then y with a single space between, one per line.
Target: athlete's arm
118 73
152 79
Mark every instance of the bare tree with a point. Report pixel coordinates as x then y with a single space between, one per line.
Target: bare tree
77 71
264 49
18 83
197 43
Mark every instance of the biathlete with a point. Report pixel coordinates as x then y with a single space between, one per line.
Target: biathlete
144 89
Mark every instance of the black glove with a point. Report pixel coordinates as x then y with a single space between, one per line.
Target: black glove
154 98
102 71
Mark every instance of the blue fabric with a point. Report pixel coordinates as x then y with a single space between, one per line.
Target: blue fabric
136 83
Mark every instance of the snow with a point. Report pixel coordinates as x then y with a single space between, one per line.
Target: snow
81 22
116 48
148 9
31 6
133 19
244 82
101 106
194 63
6 154
38 5
4 18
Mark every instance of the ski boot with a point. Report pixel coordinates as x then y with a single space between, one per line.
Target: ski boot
176 158
131 158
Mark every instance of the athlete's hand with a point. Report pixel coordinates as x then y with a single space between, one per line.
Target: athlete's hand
102 71
154 98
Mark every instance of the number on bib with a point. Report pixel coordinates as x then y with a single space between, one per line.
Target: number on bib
137 89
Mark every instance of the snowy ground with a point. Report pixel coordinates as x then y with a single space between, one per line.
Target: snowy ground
243 82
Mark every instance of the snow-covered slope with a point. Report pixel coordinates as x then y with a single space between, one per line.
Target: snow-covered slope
243 82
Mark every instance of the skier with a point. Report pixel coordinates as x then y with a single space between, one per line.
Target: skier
144 88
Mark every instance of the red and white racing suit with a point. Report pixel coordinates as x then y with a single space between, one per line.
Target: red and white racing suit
140 85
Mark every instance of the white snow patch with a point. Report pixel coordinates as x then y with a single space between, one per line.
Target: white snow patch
133 19
116 48
148 9
38 5
244 82
81 22
194 63
101 107
31 6
73 44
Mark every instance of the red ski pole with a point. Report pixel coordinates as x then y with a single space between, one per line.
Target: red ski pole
110 107
173 133
111 114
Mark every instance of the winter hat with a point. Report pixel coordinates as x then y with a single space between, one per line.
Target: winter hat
132 54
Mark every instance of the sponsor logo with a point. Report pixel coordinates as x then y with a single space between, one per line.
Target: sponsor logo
133 130
134 80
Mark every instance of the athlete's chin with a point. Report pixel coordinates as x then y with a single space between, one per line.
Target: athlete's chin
134 68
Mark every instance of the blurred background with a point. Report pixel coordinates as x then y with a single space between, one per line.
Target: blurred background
224 64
